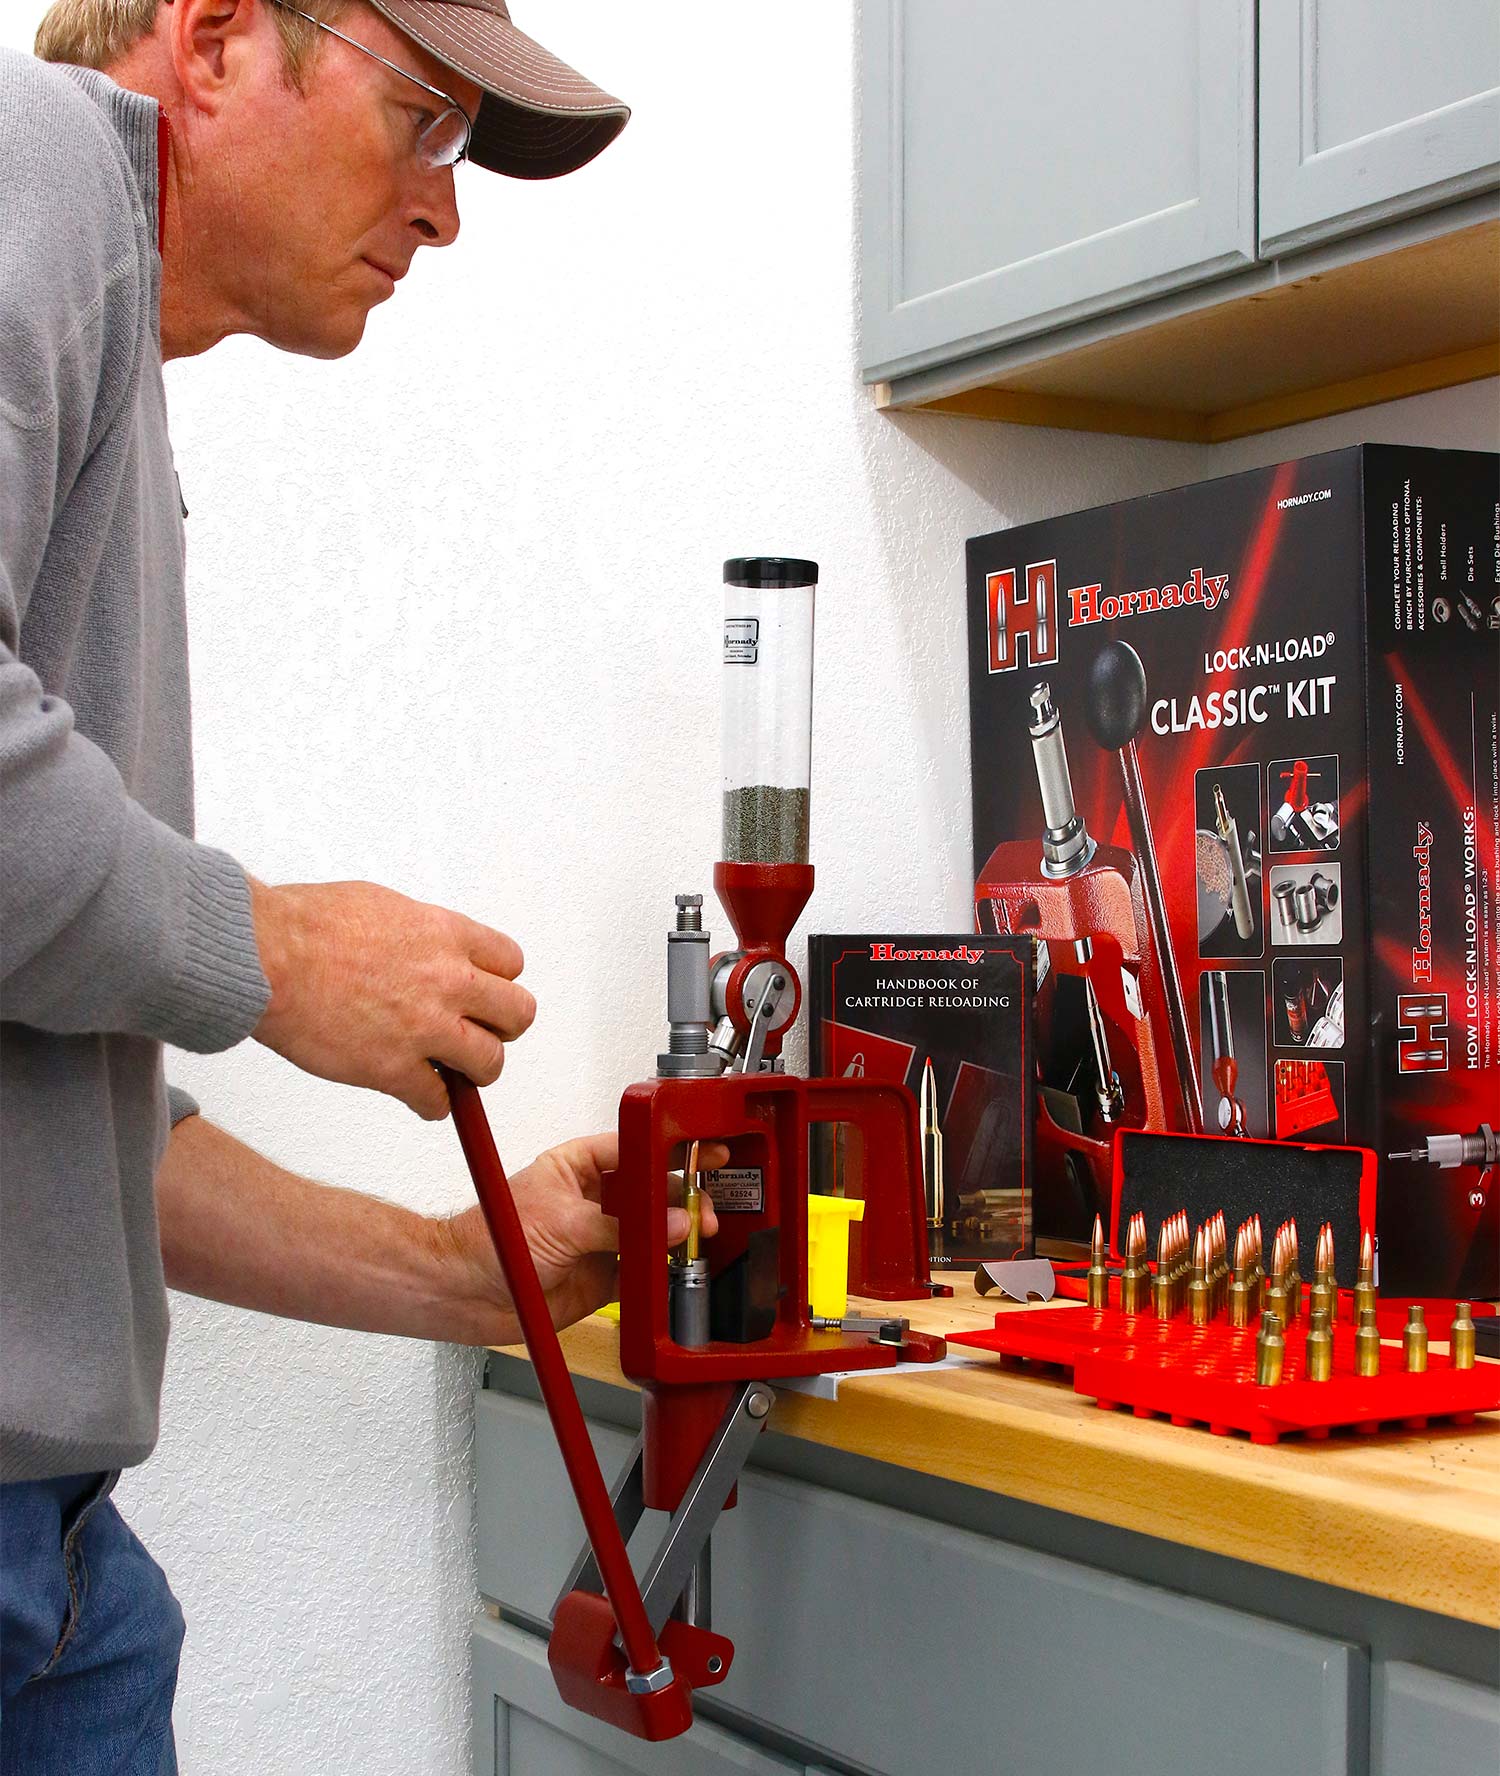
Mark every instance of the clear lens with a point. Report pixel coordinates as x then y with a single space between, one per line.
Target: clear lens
445 141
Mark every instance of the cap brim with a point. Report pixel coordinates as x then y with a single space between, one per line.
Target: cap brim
538 118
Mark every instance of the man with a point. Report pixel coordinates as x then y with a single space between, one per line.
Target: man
223 166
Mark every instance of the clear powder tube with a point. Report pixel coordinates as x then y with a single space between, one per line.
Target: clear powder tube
766 731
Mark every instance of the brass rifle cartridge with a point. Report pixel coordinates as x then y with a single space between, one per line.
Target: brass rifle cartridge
1098 1270
1461 1338
1238 1292
1364 1281
1414 1340
1367 1345
1292 1282
1270 1351
1161 1283
1320 1347
1199 1303
1323 1296
1135 1278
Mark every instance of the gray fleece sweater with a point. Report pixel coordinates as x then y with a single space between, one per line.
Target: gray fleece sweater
117 932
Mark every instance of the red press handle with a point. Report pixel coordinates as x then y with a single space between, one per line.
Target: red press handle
558 1393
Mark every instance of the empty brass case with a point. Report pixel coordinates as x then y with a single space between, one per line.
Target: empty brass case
1414 1340
1367 1345
1270 1351
1461 1338
1319 1347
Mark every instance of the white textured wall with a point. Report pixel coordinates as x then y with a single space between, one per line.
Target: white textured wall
454 628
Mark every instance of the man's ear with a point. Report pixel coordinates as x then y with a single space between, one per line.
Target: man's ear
214 44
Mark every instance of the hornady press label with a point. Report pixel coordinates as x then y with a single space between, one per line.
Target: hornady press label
741 640
737 1190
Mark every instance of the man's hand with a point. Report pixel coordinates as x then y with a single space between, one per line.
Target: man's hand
368 988
236 1227
573 1242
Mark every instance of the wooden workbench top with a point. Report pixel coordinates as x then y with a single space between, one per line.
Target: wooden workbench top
1409 1516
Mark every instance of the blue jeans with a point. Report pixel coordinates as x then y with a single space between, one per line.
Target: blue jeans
89 1636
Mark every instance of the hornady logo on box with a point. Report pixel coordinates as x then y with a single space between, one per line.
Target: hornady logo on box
1027 607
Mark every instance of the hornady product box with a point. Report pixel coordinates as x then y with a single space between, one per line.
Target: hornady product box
950 1018
1235 767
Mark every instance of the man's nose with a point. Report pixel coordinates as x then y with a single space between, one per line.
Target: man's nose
435 210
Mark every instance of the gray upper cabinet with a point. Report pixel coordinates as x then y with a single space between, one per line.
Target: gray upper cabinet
1372 109
1025 166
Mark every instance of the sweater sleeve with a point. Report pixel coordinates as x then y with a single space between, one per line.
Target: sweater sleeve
111 921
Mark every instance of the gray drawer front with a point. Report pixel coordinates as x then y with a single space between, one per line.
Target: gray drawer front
523 1728
1425 1724
857 1630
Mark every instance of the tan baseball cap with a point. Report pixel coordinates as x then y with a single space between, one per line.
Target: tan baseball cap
538 118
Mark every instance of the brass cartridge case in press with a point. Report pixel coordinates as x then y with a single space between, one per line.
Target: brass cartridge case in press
1367 1345
1461 1338
1414 1340
1320 1347
1270 1351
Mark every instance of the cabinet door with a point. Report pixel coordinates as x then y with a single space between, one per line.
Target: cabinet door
902 1646
1426 1724
523 1728
1372 109
1023 166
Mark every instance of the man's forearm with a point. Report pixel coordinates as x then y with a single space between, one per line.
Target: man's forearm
238 1228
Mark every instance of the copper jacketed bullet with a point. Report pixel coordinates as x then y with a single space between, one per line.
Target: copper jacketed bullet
1461 1338
1364 1280
1367 1345
1270 1351
1414 1340
1098 1269
1320 1347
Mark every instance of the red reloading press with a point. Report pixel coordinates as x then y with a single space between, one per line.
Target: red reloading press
705 1339
1102 915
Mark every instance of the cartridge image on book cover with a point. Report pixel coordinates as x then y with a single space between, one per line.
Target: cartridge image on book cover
1307 1002
1304 797
1227 848
1232 1023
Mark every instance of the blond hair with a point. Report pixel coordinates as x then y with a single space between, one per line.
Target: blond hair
96 33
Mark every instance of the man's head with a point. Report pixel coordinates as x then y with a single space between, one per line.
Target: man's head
302 183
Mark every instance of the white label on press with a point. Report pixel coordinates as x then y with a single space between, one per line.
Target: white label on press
737 1190
741 640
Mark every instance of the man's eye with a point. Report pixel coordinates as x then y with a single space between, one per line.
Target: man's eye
421 117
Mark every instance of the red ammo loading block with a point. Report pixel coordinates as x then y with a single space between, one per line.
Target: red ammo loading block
620 1649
